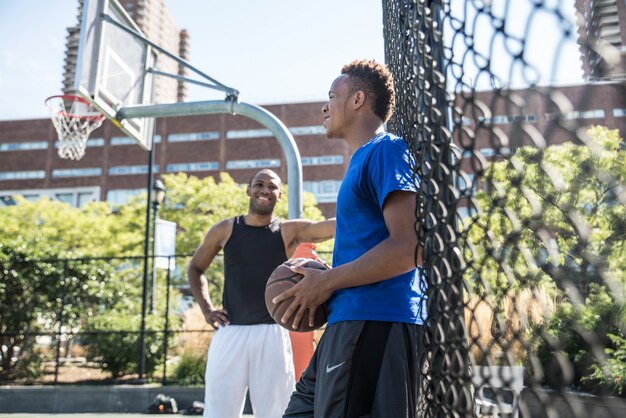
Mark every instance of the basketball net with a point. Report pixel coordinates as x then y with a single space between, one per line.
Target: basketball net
74 118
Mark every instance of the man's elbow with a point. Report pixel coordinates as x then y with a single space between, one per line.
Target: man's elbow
408 255
193 273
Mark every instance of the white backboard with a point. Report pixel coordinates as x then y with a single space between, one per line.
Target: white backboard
111 67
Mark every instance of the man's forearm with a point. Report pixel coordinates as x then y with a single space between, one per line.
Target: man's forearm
199 286
388 259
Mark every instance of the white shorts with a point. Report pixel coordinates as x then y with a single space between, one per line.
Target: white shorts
257 357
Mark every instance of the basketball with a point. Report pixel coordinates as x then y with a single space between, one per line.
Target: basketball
281 279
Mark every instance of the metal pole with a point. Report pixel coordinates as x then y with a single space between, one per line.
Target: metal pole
141 365
155 210
265 118
167 318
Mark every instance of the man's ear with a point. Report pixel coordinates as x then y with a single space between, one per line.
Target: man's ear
248 190
358 99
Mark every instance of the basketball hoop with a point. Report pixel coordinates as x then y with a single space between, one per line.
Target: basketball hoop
74 118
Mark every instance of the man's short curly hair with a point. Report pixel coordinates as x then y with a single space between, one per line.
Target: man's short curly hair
375 80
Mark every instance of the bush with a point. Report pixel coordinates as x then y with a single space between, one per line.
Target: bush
190 369
575 333
115 342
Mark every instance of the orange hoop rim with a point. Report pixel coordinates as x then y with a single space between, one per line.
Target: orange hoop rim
74 98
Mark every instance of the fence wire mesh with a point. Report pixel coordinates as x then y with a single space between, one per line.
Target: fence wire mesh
82 321
521 209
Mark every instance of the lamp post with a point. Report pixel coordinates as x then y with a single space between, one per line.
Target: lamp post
157 199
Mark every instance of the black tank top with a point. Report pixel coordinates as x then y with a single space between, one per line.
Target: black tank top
250 256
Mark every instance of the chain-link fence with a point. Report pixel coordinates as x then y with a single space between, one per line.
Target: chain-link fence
521 208
85 320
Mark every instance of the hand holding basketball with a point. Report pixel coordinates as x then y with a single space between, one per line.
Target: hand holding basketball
299 316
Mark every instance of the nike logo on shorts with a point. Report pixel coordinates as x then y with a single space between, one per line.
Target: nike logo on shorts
331 368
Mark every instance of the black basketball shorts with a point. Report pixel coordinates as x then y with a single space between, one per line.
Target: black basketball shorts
361 369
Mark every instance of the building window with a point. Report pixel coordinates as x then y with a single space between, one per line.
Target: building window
506 119
75 196
467 184
194 136
242 164
91 142
491 152
308 130
122 140
22 175
202 166
248 133
123 170
95 142
465 212
463 121
117 197
619 113
325 191
323 160
77 172
23 146
583 114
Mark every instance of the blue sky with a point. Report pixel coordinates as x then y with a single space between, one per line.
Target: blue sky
270 50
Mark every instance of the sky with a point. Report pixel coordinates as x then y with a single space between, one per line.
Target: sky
272 51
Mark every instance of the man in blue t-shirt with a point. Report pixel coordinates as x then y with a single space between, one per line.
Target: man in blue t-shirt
367 362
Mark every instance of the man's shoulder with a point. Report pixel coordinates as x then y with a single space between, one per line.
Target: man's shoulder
391 140
225 225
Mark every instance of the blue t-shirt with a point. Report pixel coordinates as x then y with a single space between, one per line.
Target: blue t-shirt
379 167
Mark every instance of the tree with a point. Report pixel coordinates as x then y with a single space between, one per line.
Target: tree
50 280
553 220
39 293
196 204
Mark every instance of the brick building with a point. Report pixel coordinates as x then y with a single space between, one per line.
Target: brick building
115 168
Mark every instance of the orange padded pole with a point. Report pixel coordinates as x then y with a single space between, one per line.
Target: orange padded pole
302 343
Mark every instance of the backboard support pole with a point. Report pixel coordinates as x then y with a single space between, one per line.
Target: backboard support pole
256 113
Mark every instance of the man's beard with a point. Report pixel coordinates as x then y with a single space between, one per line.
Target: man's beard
261 210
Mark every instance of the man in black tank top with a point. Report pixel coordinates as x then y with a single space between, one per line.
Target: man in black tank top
249 350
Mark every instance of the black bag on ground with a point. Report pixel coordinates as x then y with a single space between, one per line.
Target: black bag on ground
197 408
162 404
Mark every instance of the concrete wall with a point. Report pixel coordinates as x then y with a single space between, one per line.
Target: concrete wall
74 399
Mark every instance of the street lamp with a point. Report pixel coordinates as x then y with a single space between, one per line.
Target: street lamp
157 199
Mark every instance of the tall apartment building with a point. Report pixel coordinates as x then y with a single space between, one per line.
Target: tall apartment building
157 23
602 35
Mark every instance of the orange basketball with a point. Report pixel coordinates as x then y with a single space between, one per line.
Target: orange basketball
282 279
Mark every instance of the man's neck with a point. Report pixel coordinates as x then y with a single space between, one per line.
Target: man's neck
362 136
254 219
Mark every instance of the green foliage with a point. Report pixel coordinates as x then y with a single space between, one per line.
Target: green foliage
551 209
576 332
100 293
115 344
613 373
37 296
190 370
552 220
197 204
